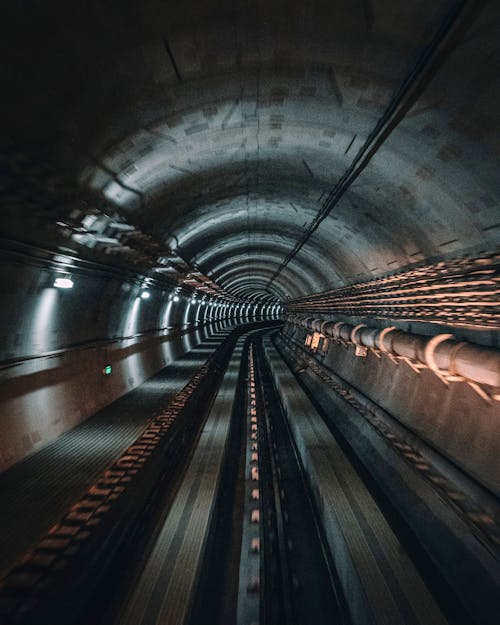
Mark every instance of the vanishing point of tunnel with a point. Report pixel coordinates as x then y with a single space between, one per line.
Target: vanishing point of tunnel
250 312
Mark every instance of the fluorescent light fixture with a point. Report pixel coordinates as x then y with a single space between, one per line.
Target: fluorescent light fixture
145 295
63 283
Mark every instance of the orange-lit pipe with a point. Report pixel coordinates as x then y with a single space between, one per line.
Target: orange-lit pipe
442 353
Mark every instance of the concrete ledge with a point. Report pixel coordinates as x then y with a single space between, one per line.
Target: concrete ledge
42 398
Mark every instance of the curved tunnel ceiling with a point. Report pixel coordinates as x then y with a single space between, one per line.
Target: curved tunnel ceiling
220 127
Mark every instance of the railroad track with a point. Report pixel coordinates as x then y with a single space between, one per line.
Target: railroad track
314 543
377 577
262 489
299 582
441 514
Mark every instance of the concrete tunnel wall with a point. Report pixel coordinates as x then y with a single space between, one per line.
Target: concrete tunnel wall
450 417
51 371
227 149
213 134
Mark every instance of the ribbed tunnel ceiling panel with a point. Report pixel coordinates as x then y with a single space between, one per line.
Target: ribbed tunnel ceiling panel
220 128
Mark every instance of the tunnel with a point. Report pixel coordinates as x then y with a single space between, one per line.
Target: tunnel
250 304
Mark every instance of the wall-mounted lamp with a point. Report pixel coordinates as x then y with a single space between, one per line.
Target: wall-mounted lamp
63 283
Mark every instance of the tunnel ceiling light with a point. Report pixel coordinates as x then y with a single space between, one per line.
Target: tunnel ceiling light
63 283
145 295
175 298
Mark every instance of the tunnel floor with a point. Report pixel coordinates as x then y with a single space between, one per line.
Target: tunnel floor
250 313
41 488
269 500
